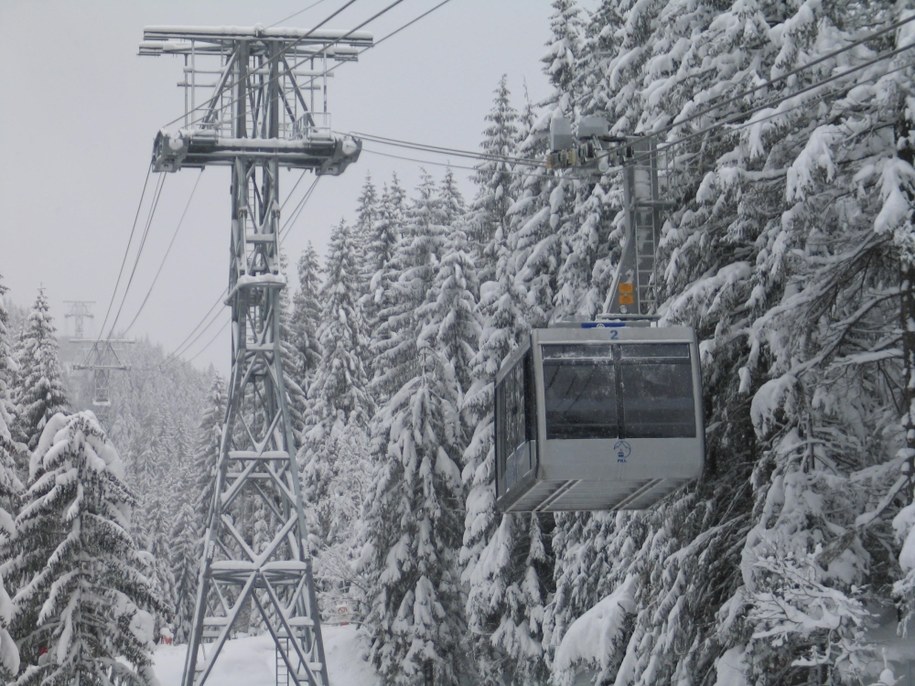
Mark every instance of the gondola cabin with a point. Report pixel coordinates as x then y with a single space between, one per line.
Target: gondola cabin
599 416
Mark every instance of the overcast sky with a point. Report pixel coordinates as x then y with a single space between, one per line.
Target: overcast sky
80 111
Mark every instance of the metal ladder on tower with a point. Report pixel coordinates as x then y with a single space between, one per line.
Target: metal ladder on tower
282 671
645 249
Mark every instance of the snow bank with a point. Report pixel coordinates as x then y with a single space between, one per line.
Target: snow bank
904 528
731 667
251 661
589 640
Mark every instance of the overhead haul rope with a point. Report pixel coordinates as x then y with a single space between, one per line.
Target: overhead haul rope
769 104
324 46
133 229
160 184
167 251
191 339
212 101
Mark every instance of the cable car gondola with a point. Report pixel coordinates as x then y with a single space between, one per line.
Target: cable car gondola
600 416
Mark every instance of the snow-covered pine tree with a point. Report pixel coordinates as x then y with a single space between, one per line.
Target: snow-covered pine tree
306 315
340 381
206 450
493 178
291 358
7 366
335 444
451 322
902 224
501 639
184 559
401 288
412 528
10 489
151 532
81 605
392 304
367 212
39 385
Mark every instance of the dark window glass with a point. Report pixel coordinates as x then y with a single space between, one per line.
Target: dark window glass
514 408
654 350
574 351
501 452
580 399
514 423
530 398
658 400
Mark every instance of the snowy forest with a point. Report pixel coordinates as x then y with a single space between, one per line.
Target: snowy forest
788 245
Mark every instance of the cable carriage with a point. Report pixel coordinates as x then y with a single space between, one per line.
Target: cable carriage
606 416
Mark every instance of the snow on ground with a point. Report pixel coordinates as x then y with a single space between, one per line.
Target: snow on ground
251 661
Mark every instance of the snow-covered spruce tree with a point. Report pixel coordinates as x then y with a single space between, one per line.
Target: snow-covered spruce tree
782 256
10 489
335 444
340 380
151 532
290 354
39 385
899 194
451 322
393 300
206 451
306 315
504 643
368 207
412 527
184 559
493 178
7 364
401 288
81 605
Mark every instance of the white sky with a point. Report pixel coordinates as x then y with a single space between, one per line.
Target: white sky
80 110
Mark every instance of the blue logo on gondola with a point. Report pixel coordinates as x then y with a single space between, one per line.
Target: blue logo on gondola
623 450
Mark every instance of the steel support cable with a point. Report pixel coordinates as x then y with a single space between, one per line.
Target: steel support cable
231 85
167 251
324 46
214 314
294 215
160 184
234 100
133 229
441 150
743 114
393 33
208 343
834 92
295 14
191 338
782 77
511 172
295 185
186 342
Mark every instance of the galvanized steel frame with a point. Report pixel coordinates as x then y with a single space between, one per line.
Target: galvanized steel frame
256 469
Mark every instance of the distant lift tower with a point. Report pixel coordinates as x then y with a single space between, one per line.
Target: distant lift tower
79 311
260 116
101 360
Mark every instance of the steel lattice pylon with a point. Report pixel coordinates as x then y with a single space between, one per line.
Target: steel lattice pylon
259 118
